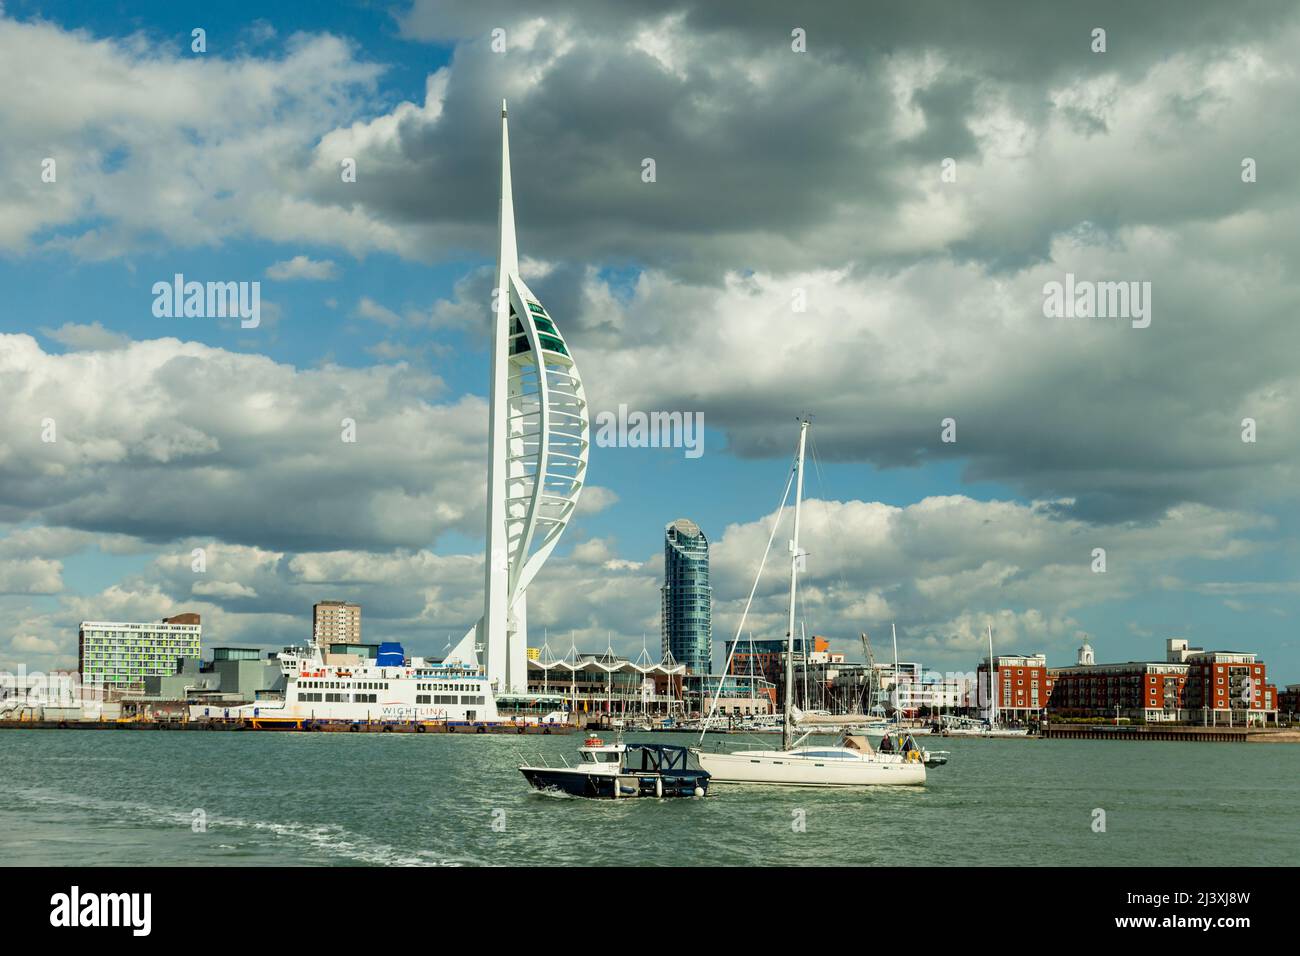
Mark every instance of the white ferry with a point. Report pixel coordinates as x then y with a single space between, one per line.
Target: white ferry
389 688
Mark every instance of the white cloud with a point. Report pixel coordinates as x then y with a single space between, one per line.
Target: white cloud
302 267
368 308
596 498
1034 403
944 567
167 439
150 143
223 589
87 338
30 576
30 644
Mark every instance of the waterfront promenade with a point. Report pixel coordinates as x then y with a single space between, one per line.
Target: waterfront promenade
308 726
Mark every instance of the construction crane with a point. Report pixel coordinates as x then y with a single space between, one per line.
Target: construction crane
871 672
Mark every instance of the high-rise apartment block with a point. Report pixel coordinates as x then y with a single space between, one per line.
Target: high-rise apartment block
336 622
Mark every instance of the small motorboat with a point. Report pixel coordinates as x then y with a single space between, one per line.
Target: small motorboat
619 771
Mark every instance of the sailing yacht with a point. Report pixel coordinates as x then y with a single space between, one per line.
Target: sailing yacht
851 763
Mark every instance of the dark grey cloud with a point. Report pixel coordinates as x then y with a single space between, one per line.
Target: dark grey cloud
774 160
1123 422
927 299
1004 37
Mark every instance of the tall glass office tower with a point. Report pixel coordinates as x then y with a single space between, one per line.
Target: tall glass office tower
687 597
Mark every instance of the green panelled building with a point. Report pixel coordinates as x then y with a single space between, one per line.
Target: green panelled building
120 655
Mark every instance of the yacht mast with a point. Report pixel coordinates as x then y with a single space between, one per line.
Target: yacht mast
803 638
993 690
898 694
787 728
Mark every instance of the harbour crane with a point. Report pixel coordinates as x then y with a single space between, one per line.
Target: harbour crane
871 672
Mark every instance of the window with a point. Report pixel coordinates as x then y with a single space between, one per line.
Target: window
552 344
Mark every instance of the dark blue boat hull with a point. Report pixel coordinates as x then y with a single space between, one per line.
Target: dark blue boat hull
679 783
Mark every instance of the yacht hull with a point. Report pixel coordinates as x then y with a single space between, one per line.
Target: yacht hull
775 767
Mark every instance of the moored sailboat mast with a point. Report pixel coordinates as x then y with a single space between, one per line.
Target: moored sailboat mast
787 728
993 690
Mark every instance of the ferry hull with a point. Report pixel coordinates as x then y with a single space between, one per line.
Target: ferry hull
280 723
784 770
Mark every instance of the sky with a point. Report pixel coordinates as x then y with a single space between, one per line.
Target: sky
855 212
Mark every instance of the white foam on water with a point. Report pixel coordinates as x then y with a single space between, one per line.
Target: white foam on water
325 838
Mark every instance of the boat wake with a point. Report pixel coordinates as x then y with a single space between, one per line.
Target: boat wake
327 839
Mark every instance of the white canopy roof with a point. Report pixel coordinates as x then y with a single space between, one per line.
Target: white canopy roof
605 664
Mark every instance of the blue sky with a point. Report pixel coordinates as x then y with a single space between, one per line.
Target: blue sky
925 303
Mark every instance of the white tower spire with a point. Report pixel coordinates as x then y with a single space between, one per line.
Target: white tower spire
508 255
537 454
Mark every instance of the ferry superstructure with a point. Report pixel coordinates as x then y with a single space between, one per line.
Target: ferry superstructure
390 687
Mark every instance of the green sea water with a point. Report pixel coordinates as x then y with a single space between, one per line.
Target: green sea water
125 798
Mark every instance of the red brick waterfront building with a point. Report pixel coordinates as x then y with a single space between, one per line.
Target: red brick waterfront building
1023 685
1190 685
